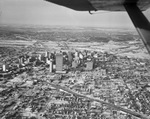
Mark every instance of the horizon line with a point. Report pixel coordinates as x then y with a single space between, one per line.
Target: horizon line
50 25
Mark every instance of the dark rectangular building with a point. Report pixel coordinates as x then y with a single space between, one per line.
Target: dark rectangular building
59 62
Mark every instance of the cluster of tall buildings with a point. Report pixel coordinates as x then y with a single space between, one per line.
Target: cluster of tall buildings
63 61
58 62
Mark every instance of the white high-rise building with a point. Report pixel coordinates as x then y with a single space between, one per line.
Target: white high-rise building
4 67
40 57
50 66
47 54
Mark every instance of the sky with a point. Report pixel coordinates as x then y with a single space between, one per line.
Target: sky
40 12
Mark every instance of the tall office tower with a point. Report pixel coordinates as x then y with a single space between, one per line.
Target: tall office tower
4 67
21 60
47 60
50 66
76 54
70 57
59 62
47 54
84 53
89 66
74 64
81 56
40 57
28 60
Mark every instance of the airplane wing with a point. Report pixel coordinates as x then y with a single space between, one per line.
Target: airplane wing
110 5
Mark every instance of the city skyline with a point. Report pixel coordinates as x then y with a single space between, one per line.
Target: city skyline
38 12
